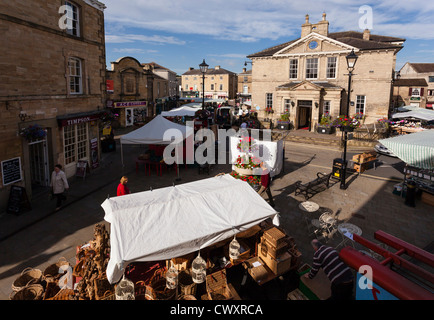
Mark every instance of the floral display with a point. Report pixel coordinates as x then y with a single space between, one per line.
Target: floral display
284 117
247 162
247 144
326 120
269 110
33 132
344 121
252 180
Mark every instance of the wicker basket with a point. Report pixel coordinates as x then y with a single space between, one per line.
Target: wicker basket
188 297
30 292
28 276
102 287
64 294
51 273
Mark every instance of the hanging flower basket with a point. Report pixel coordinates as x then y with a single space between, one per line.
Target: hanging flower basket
34 132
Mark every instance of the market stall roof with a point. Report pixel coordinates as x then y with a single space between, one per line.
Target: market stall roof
416 113
174 221
183 111
157 131
415 149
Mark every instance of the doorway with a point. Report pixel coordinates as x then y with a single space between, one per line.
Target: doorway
38 160
304 114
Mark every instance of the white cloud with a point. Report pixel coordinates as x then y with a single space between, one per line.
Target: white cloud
249 21
129 38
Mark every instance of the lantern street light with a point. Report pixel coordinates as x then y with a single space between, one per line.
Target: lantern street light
351 63
203 68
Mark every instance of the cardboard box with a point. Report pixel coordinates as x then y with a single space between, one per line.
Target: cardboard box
363 166
268 248
427 198
279 265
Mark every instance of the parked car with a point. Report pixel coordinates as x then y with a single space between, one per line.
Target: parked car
381 149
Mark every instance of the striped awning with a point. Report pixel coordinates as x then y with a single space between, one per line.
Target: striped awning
415 149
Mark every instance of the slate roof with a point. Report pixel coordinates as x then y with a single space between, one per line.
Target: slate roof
352 38
423 67
210 71
410 83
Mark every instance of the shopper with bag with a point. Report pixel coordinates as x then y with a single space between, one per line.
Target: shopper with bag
59 184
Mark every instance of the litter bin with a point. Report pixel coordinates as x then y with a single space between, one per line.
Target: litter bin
337 168
411 194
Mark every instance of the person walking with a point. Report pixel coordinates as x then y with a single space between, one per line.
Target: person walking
122 187
265 183
58 185
336 270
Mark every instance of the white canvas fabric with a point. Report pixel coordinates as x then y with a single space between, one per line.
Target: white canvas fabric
174 221
157 131
184 111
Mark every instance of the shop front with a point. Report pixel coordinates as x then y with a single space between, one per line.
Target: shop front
78 133
131 112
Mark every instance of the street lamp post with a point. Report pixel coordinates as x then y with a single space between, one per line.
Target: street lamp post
203 68
351 62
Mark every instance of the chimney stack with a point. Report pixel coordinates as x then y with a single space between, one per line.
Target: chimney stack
366 34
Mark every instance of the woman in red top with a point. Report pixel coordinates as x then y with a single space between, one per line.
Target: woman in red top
122 187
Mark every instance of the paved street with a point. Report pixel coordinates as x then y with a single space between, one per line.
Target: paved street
40 237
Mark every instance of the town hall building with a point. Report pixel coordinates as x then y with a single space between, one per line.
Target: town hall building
308 77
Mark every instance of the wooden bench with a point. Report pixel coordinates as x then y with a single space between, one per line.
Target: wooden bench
311 188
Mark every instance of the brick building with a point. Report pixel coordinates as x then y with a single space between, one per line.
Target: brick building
52 76
308 76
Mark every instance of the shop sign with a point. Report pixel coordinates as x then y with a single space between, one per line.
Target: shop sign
129 104
94 153
11 170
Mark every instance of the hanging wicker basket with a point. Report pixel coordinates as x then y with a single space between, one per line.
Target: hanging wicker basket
30 292
51 273
28 276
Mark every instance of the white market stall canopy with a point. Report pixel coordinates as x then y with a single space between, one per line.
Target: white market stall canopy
415 149
157 132
174 221
415 113
184 111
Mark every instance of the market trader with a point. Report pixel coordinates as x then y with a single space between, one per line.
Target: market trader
337 272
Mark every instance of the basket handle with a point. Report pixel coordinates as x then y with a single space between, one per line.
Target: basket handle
26 269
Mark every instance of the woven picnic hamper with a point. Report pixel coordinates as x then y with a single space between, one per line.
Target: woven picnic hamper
28 276
64 294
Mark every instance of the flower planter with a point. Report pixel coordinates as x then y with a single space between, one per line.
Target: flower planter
325 130
248 172
347 129
283 125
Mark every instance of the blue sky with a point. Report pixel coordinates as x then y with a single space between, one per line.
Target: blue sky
179 34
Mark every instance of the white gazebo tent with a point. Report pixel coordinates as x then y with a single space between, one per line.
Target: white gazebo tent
174 221
158 131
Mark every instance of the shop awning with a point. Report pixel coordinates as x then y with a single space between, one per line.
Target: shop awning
174 221
415 149
415 113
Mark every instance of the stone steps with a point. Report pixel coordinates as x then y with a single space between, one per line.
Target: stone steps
316 140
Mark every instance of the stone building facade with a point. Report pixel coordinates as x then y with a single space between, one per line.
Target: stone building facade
136 93
423 71
52 76
308 76
219 83
244 91
410 92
